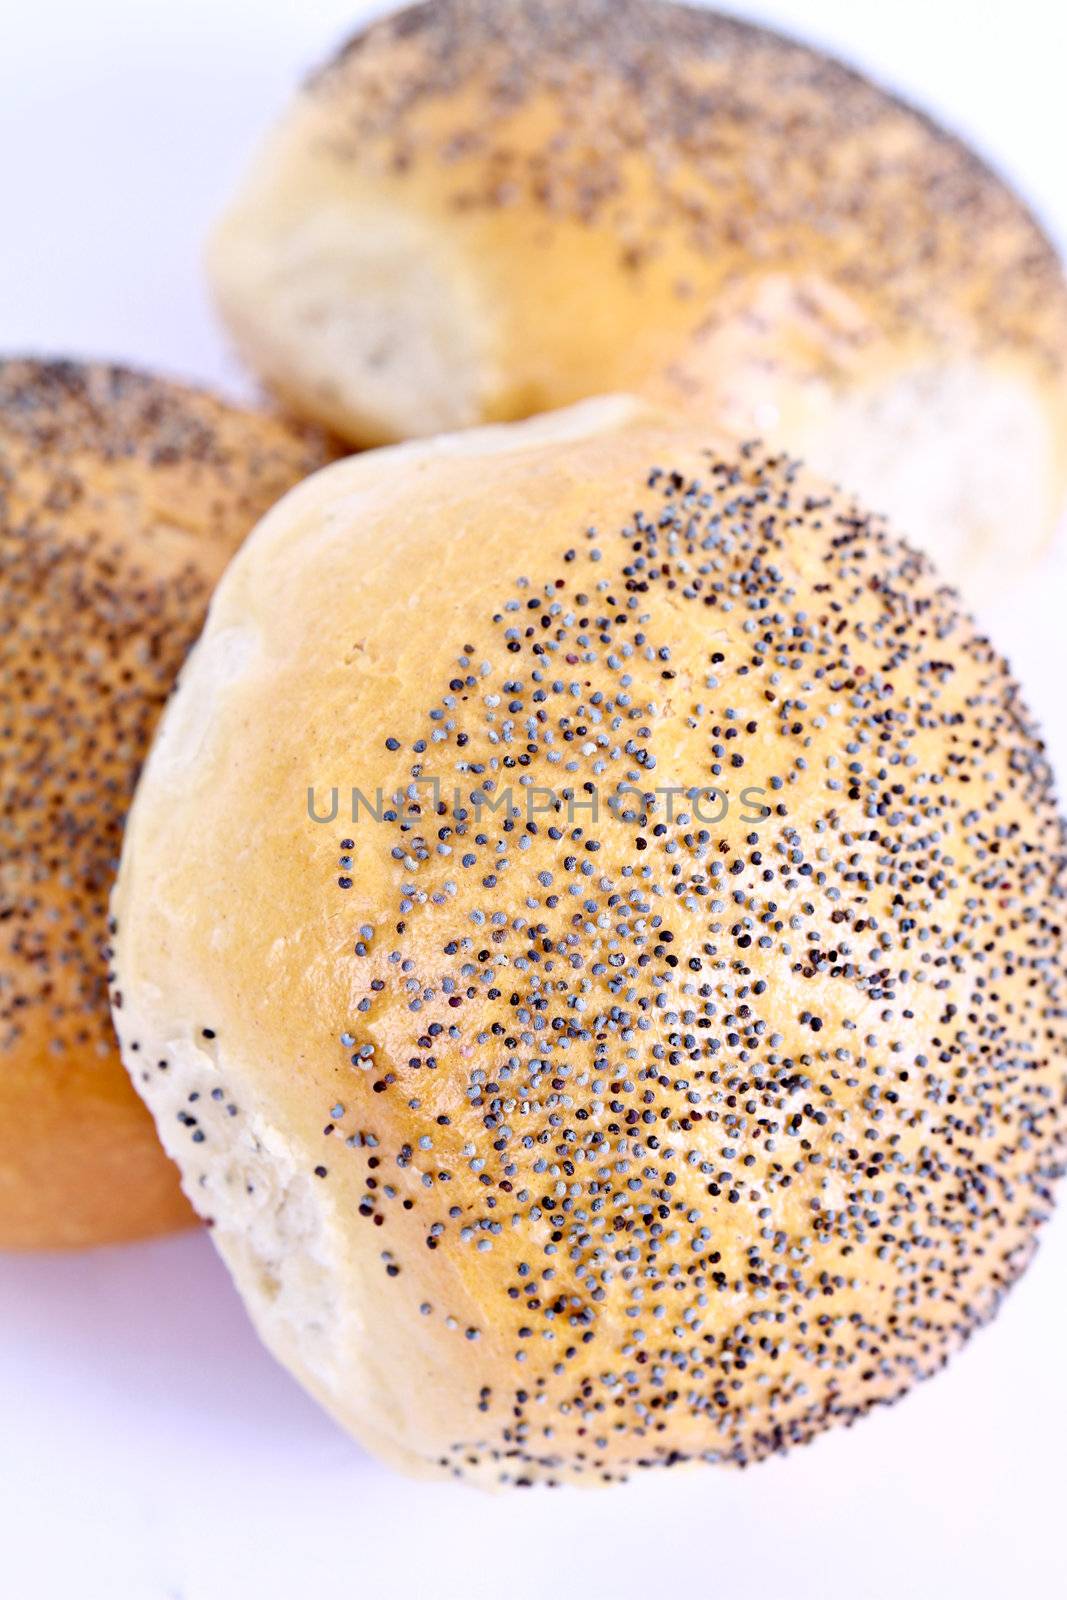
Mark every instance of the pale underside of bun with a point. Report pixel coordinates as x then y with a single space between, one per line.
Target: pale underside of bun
545 1144
121 498
487 208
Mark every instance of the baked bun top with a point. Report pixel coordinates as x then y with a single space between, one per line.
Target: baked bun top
482 210
694 137
121 499
662 1058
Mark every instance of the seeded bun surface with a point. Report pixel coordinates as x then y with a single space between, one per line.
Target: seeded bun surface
545 1142
482 209
121 499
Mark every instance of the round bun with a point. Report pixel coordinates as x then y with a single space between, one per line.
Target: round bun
481 210
666 1060
121 499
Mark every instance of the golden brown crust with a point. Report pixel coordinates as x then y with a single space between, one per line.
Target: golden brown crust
755 147
121 498
546 1144
483 209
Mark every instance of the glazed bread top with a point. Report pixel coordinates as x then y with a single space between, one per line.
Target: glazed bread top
121 499
482 209
662 1057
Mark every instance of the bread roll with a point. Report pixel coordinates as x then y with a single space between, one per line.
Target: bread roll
121 499
487 208
675 1067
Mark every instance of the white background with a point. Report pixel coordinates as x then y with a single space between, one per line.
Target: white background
149 1449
